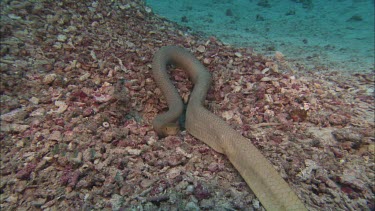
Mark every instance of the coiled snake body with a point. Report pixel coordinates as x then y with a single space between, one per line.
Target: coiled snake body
273 192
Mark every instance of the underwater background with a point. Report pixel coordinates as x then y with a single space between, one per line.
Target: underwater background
78 98
321 34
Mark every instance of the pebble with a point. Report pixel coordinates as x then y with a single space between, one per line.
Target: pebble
13 127
84 77
34 100
14 17
206 60
12 199
190 189
336 119
318 86
20 144
17 114
371 148
38 112
61 38
148 9
345 134
279 56
70 29
352 177
268 98
57 45
87 112
256 204
264 79
207 204
133 151
117 201
55 136
238 54
174 172
107 136
191 206
38 202
48 79
78 159
124 7
62 106
146 183
95 24
201 49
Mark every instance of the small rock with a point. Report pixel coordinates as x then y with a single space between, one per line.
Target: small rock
62 107
347 134
58 45
191 206
336 119
12 199
268 98
117 201
84 77
207 204
38 202
41 164
78 159
87 112
256 204
352 178
26 171
238 54
206 60
14 17
146 183
201 192
61 38
20 144
371 148
279 56
348 145
174 172
55 136
13 127
265 79
34 100
306 173
133 151
174 160
17 114
214 167
123 7
201 49
103 98
20 186
190 189
337 153
107 136
48 79
95 24
148 9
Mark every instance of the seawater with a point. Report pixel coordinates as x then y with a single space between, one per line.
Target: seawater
334 34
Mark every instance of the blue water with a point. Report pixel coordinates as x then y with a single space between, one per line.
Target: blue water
334 34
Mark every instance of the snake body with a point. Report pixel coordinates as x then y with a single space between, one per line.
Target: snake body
273 192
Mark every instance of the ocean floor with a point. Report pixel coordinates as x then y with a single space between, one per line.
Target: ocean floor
320 34
78 99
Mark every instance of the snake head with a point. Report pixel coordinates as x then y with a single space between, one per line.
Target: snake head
169 129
